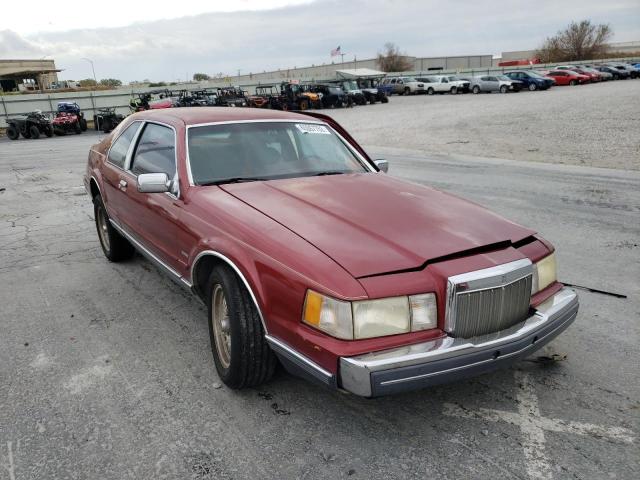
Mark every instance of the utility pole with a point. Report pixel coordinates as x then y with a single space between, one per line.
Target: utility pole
92 69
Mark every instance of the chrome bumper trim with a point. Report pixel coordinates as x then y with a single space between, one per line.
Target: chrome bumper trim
298 364
428 363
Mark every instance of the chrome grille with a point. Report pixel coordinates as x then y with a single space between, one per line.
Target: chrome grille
490 300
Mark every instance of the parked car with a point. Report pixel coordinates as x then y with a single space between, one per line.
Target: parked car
490 83
633 73
617 74
372 92
404 85
31 125
267 216
462 85
439 84
604 76
106 119
531 79
593 76
568 77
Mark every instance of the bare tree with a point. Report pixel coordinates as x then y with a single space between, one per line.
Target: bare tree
579 41
391 60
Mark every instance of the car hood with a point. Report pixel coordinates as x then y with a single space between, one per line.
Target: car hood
372 223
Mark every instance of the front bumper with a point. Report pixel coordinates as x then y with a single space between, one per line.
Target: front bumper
448 359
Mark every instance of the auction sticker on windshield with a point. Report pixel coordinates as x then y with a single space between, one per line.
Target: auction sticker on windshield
309 128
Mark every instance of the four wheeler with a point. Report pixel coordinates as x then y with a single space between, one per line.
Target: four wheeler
73 109
372 93
332 96
231 97
30 125
65 122
262 97
299 97
107 119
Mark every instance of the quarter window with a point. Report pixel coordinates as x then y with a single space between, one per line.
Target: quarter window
119 149
156 151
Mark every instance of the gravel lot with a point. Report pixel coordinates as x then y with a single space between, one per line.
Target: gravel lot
596 125
106 371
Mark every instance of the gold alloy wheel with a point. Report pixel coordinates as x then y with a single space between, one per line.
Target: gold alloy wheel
103 231
221 325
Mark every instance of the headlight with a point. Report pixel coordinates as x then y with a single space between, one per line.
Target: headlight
370 318
544 273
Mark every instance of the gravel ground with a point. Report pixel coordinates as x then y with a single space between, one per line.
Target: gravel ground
106 370
596 125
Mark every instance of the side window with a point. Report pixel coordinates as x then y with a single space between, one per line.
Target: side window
119 149
155 152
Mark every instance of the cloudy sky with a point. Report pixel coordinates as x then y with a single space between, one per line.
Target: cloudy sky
133 40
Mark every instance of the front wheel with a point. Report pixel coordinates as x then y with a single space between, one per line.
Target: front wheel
533 87
476 89
83 124
48 131
77 128
240 352
12 132
573 83
34 132
504 89
430 91
454 90
114 246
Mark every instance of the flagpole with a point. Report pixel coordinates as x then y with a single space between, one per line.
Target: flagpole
342 58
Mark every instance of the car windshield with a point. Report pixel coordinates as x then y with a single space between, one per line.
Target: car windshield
265 151
350 85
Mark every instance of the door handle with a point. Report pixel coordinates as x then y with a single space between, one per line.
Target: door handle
123 185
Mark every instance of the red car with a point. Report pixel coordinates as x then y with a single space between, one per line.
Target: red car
567 77
305 251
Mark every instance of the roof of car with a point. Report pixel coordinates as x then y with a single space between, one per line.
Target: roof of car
197 115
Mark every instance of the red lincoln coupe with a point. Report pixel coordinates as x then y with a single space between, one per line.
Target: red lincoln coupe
307 252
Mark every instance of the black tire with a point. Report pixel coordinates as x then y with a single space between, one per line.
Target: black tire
83 124
34 133
304 105
26 133
48 131
385 100
504 89
77 128
533 87
407 91
59 132
250 360
453 91
106 125
476 89
430 91
12 132
114 246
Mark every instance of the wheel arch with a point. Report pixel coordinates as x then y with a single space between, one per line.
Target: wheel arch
94 187
202 265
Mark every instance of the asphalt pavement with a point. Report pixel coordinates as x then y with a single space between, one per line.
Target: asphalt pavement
106 370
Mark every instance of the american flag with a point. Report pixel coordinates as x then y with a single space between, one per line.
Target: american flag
335 52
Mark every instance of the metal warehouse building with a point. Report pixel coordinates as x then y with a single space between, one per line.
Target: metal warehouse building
25 75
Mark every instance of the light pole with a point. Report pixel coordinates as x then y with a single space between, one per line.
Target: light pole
92 69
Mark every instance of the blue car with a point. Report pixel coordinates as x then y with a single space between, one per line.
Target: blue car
531 80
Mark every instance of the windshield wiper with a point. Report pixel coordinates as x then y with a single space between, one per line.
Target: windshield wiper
328 172
234 180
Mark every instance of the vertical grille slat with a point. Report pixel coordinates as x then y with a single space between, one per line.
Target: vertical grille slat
491 309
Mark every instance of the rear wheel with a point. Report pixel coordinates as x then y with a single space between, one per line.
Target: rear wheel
453 90
407 91
12 132
77 128
430 91
240 352
115 247
504 89
83 124
533 87
476 89
304 105
573 83
48 131
34 132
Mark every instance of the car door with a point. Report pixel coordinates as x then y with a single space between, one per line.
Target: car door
114 173
153 218
493 85
444 84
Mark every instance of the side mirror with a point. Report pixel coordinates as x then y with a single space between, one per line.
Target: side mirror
382 164
153 183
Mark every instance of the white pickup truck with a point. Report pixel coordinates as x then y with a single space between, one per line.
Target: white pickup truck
443 84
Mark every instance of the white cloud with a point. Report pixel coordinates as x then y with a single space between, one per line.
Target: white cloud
300 35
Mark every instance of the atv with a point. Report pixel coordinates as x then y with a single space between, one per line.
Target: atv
73 109
267 96
107 119
372 92
231 97
331 96
30 125
65 122
299 97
